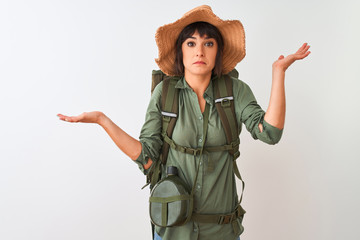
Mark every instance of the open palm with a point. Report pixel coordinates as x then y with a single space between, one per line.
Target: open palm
284 62
85 117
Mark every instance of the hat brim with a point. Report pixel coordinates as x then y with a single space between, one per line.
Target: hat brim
232 32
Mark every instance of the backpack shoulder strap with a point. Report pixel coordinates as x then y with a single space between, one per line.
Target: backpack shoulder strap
169 111
224 102
169 106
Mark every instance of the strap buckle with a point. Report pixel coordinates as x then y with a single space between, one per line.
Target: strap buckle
183 149
225 219
196 151
188 150
166 118
168 115
225 102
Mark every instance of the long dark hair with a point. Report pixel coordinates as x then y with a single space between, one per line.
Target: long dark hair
203 28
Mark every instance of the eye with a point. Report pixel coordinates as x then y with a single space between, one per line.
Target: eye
190 44
209 44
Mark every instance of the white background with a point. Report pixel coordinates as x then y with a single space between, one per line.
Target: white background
62 180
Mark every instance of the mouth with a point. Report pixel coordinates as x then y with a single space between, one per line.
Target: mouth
199 62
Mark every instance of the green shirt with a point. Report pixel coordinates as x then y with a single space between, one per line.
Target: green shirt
215 187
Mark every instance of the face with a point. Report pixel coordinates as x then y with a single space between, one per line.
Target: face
199 55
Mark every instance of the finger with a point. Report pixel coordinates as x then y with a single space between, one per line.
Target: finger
61 116
303 51
306 48
302 48
71 119
67 118
302 56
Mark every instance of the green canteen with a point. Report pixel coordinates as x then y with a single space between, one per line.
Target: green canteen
170 201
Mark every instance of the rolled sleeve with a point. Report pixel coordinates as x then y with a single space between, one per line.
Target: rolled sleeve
144 158
150 136
270 134
251 114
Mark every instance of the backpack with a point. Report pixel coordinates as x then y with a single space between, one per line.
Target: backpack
223 93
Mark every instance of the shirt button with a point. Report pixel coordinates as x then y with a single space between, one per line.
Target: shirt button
198 186
200 162
195 229
200 139
200 118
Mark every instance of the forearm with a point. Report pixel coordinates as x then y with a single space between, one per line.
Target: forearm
275 114
129 145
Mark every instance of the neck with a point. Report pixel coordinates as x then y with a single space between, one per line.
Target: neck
198 83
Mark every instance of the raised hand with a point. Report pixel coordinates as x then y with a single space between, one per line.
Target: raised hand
284 62
129 145
85 117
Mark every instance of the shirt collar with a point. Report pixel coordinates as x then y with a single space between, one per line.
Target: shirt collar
209 93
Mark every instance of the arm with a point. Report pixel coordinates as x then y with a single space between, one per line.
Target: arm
129 145
275 114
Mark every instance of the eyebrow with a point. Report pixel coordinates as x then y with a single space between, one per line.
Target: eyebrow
205 38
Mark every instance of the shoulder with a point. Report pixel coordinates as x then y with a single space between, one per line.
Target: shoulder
243 95
239 86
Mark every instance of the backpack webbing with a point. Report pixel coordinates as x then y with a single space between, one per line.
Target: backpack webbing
225 107
170 109
224 102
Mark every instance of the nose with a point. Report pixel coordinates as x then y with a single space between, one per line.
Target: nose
200 50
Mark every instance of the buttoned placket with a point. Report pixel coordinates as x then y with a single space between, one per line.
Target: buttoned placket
198 159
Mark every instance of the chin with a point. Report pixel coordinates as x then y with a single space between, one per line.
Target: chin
201 72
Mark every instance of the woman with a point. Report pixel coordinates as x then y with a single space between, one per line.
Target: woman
201 47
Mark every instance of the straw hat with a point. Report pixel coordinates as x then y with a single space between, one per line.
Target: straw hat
232 32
